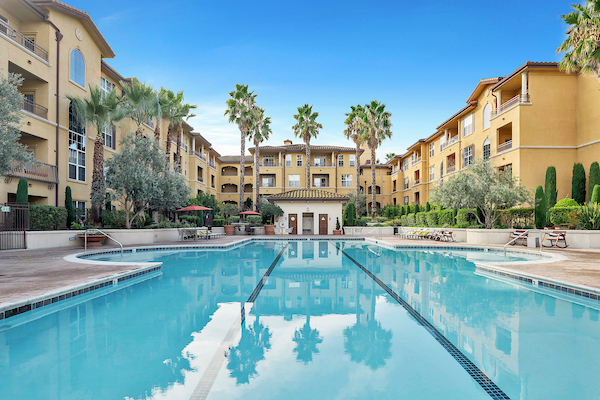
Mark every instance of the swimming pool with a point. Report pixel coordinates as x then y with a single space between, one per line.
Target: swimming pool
306 319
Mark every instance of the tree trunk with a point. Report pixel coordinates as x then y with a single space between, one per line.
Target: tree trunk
157 131
373 198
97 194
139 130
178 153
257 175
357 180
169 139
242 164
307 141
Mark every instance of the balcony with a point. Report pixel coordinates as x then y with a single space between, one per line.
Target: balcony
416 161
416 182
22 41
34 108
322 164
211 164
505 146
36 171
269 163
449 143
513 102
451 168
198 154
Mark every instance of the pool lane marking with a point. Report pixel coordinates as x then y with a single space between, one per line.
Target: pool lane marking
214 367
478 375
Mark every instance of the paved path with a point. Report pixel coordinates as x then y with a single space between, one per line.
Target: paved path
25 273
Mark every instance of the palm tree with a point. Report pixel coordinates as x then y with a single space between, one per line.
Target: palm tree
377 128
306 128
260 132
354 131
183 112
169 111
159 106
139 101
102 111
582 46
242 111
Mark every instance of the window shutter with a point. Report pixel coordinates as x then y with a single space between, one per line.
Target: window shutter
114 137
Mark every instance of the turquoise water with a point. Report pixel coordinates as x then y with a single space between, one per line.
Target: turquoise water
320 327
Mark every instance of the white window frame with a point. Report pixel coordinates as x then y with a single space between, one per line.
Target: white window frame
468 155
288 160
322 161
340 160
486 149
75 69
106 86
319 181
298 160
77 148
487 116
406 200
107 136
405 165
80 205
352 160
431 173
267 182
295 182
268 161
431 149
406 183
468 125
347 180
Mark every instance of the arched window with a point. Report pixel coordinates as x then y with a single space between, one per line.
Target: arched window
77 74
486 149
487 115
76 146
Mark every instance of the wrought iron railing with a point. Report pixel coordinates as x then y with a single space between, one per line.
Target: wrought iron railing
23 41
35 108
36 171
507 105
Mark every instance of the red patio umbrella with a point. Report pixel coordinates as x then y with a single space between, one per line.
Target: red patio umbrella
194 207
249 212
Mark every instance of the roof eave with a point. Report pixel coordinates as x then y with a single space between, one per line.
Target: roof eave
528 64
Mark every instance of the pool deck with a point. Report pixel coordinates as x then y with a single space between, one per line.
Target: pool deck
29 273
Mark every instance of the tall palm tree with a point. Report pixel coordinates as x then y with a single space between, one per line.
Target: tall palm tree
377 128
582 46
260 132
306 128
139 101
353 131
102 111
183 112
159 106
169 111
241 110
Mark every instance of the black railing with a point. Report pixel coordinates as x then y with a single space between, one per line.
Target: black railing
14 222
23 41
35 108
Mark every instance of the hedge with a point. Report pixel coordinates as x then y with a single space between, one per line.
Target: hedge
517 217
421 218
219 222
113 219
411 220
446 218
565 216
465 217
47 218
432 218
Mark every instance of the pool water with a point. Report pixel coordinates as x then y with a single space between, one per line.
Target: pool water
306 320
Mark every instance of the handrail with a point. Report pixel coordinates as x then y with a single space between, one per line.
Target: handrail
515 239
105 234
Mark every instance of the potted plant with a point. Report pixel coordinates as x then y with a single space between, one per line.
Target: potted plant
94 239
269 211
337 230
229 212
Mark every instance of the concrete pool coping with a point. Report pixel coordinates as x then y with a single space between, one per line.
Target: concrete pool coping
28 277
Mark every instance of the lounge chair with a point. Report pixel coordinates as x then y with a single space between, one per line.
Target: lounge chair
446 236
555 237
518 235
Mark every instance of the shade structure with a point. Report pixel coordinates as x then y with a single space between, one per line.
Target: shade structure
194 207
249 212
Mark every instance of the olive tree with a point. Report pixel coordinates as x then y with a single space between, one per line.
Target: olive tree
139 179
482 187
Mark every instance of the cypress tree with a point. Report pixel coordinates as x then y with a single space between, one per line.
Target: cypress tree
595 195
417 208
550 187
578 184
427 207
69 207
350 214
401 212
22 196
454 215
594 178
540 208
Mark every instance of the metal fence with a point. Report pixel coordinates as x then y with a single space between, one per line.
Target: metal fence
14 222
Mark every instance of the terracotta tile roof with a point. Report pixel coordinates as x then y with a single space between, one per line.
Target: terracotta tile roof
111 71
528 64
235 159
302 147
308 195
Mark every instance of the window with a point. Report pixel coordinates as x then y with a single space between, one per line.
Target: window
108 136
298 160
431 149
405 166
185 144
346 180
431 173
268 181
352 160
320 161
76 146
405 200
294 180
486 149
487 115
340 160
320 181
288 160
405 183
268 161
80 211
468 155
3 24
106 86
468 126
441 170
77 68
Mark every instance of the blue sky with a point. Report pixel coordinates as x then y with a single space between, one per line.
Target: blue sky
421 58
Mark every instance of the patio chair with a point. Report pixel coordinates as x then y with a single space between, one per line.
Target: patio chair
555 237
518 235
447 236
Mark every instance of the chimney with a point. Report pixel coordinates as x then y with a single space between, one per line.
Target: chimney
287 142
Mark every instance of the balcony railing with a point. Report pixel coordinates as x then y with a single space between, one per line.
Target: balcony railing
513 102
35 108
451 168
211 164
21 40
505 146
200 179
416 161
199 155
449 142
322 164
36 171
416 182
269 164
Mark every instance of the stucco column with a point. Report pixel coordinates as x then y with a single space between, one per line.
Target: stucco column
498 99
193 144
279 157
523 86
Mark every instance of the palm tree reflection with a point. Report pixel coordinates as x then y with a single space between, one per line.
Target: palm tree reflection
244 357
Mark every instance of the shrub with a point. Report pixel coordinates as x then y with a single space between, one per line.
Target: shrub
411 219
22 189
578 183
446 218
47 218
254 220
566 202
417 208
421 218
590 216
403 220
540 208
594 178
432 218
269 212
565 216
113 219
518 217
350 214
188 219
362 221
219 221
595 195
550 187
396 222
427 207
465 216
382 219
234 219
69 207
